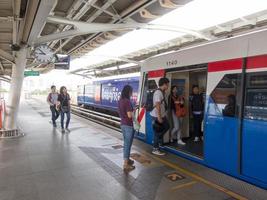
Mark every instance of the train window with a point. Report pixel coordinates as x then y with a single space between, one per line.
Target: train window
224 96
257 80
256 97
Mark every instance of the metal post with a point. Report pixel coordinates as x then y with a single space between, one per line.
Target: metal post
12 107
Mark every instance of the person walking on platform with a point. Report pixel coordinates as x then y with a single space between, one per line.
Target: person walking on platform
52 101
64 107
197 107
126 115
178 113
160 123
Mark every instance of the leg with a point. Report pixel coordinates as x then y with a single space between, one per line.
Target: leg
68 119
53 114
62 119
57 114
128 139
175 124
156 137
166 126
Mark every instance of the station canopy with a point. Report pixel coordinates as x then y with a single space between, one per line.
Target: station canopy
104 36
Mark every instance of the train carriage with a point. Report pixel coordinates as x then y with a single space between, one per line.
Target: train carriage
235 144
104 95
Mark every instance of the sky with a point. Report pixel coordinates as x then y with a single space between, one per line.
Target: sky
196 15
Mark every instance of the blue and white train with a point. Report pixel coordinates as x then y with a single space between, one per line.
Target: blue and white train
237 66
104 95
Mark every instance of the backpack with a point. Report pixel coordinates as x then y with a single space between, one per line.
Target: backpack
149 101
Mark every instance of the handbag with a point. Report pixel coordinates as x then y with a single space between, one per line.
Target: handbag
180 110
160 127
64 109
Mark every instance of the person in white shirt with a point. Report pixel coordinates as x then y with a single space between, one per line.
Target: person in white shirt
159 120
52 101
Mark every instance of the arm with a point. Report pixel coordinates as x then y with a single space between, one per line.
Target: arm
48 100
158 105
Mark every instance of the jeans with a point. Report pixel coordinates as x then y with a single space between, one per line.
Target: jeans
177 125
62 119
197 125
158 136
128 135
54 113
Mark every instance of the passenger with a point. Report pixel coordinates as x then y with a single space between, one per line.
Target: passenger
52 101
229 109
197 107
159 121
178 113
126 115
64 105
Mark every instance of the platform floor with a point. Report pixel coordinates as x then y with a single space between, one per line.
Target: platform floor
86 164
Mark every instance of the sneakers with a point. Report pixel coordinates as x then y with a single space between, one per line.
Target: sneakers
54 125
68 130
196 139
62 130
180 142
158 152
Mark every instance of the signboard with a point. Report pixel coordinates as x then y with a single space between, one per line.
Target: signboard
31 73
62 61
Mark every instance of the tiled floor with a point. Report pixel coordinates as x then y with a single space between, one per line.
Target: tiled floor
85 165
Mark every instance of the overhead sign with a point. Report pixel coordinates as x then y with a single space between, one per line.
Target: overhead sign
31 73
62 61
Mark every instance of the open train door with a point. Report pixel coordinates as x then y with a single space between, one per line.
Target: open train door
254 126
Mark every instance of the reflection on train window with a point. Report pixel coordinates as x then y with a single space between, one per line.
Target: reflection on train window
256 96
257 80
152 86
224 96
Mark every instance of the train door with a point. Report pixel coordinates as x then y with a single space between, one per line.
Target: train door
254 128
184 80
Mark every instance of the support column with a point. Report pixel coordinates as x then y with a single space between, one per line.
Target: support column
12 106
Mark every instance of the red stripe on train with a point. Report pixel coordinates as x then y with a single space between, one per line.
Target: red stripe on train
141 115
257 62
225 65
156 73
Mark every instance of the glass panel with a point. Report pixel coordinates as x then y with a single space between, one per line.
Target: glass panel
256 104
257 80
225 96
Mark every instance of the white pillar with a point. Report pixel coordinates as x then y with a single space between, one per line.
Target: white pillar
12 106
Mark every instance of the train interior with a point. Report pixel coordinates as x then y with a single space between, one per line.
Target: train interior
185 80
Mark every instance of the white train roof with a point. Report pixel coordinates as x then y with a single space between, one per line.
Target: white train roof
245 45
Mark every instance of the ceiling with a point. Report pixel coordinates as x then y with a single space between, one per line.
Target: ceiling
22 22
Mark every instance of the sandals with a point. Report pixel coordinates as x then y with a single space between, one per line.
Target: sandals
128 168
130 162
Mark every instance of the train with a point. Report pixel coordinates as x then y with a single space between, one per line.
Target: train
237 66
102 96
235 145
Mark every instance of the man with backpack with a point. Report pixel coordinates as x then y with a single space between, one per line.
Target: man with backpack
159 121
52 101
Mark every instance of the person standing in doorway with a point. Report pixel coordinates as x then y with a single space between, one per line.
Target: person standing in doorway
197 107
64 106
126 115
159 121
177 112
52 101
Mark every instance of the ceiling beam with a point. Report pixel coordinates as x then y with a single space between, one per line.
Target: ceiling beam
7 56
2 67
44 9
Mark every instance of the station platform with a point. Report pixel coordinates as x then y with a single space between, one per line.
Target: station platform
86 164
